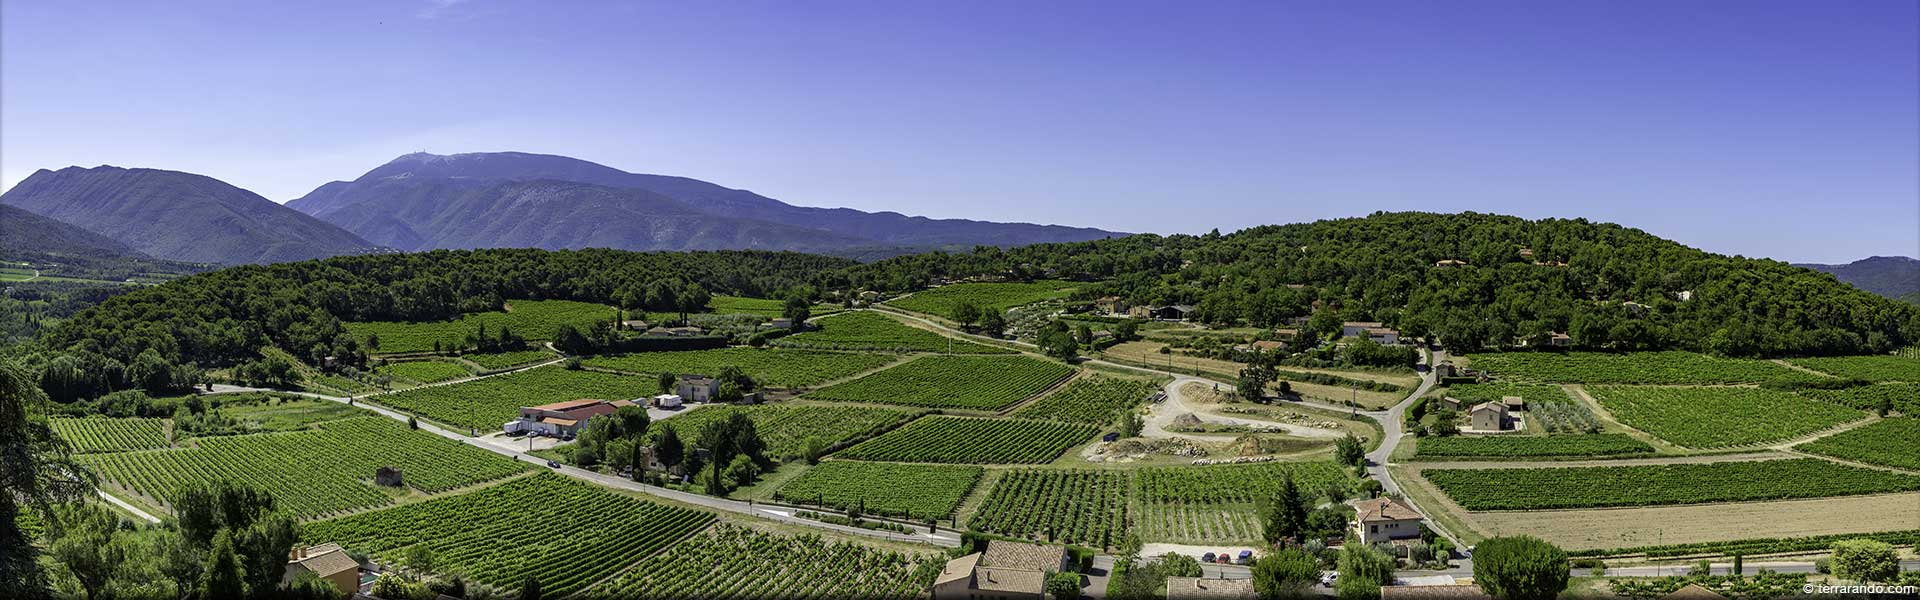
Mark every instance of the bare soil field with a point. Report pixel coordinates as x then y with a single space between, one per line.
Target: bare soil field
1616 528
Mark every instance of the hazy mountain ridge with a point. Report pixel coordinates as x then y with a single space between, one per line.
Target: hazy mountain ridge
25 232
1890 276
180 216
401 186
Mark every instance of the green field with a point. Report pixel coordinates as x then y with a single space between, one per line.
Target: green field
1711 417
496 361
993 297
533 320
742 564
1644 368
1889 442
972 382
281 412
424 371
1221 503
775 367
563 533
1095 400
313 473
486 404
787 427
895 490
1495 446
112 435
1651 485
1084 507
1871 368
1902 397
868 330
964 440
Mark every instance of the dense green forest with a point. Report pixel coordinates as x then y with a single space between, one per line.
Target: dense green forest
1609 287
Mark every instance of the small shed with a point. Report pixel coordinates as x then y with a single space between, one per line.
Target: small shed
1514 403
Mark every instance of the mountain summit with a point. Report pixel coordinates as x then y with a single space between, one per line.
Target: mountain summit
421 201
1890 276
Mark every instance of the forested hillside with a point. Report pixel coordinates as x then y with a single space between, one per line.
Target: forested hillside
1609 287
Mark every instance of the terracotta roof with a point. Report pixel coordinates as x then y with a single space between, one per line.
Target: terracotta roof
565 406
559 421
1494 406
1010 580
1199 589
597 409
958 569
326 562
1436 592
1016 555
1384 509
1269 345
1693 591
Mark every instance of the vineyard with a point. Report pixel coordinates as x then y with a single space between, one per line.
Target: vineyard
313 472
530 319
564 533
775 367
424 371
739 563
868 330
1095 400
1719 417
1652 485
497 361
989 297
1217 504
908 491
1903 397
1752 547
1085 507
1642 368
1871 368
485 404
112 435
973 382
787 427
1590 444
965 440
1889 442
1548 406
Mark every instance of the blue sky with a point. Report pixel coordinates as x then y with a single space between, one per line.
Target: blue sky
1779 129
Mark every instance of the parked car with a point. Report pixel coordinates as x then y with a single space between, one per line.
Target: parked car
1225 557
1110 437
1245 557
553 464
1206 558
1329 577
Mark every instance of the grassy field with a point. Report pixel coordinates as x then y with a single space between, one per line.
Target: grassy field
1870 368
972 382
1646 368
1653 485
995 297
530 319
112 435
1902 397
1508 445
1096 400
776 367
964 440
424 371
869 330
1710 417
506 360
486 404
1889 442
786 428
908 491
276 412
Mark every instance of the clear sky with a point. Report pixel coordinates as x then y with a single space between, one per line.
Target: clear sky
1779 129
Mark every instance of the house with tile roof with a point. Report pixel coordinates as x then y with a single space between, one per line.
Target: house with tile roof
1006 570
1385 520
329 561
562 418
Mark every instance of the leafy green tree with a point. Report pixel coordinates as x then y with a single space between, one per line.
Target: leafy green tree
1289 573
568 339
1060 345
966 313
86 546
1063 586
1253 381
667 382
1864 560
1349 451
667 447
225 577
1520 568
36 471
1286 517
1363 569
1126 330
797 308
530 589
992 323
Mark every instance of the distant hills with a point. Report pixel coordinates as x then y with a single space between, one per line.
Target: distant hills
180 216
24 233
423 201
1890 276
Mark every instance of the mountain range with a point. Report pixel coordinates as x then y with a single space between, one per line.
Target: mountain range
513 199
1890 276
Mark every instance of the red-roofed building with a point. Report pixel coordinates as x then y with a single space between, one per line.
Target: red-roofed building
563 418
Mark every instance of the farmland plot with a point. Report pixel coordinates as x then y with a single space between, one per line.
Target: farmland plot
312 472
739 563
584 533
776 367
1870 368
1652 485
1589 444
973 382
965 440
424 371
994 297
112 435
787 427
485 404
1217 504
1096 400
1085 507
1644 368
895 490
1719 417
1548 405
533 320
1903 397
1890 442
872 331
495 361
